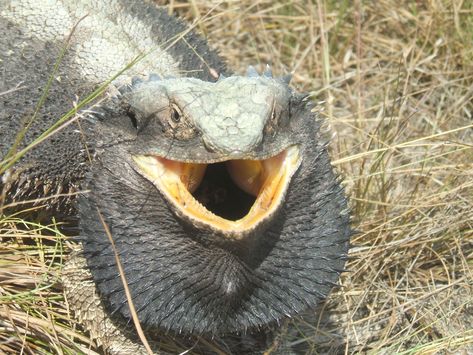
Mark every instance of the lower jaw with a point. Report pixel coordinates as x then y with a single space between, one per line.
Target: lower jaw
264 181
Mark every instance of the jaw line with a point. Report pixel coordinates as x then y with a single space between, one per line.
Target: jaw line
176 180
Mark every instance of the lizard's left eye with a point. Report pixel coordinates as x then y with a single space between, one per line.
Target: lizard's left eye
176 113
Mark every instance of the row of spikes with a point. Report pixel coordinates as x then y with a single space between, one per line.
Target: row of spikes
251 72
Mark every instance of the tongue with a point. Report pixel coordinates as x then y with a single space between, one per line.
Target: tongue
250 175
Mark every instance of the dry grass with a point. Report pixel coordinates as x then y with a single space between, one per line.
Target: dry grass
33 315
395 85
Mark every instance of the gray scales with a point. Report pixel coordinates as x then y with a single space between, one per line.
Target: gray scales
218 191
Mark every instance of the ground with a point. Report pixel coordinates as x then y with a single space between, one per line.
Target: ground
393 81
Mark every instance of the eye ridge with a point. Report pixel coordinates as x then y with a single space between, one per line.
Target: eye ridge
132 116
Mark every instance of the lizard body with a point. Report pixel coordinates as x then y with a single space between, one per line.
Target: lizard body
219 194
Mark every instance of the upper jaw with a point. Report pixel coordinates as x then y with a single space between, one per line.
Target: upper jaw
195 150
264 181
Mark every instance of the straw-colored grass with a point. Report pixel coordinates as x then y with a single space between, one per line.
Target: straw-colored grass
33 316
394 82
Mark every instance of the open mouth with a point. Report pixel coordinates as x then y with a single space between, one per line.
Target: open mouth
233 196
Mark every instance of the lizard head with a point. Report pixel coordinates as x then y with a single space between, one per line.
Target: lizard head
213 149
221 201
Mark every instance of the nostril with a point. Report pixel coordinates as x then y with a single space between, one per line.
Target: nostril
209 146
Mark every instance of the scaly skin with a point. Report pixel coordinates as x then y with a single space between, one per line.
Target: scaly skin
104 40
185 275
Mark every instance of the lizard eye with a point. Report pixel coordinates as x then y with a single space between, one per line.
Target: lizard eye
133 119
176 113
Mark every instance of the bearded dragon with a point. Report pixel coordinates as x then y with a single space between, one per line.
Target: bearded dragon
217 189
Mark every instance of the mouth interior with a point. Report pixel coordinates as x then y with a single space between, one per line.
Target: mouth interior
230 196
219 194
